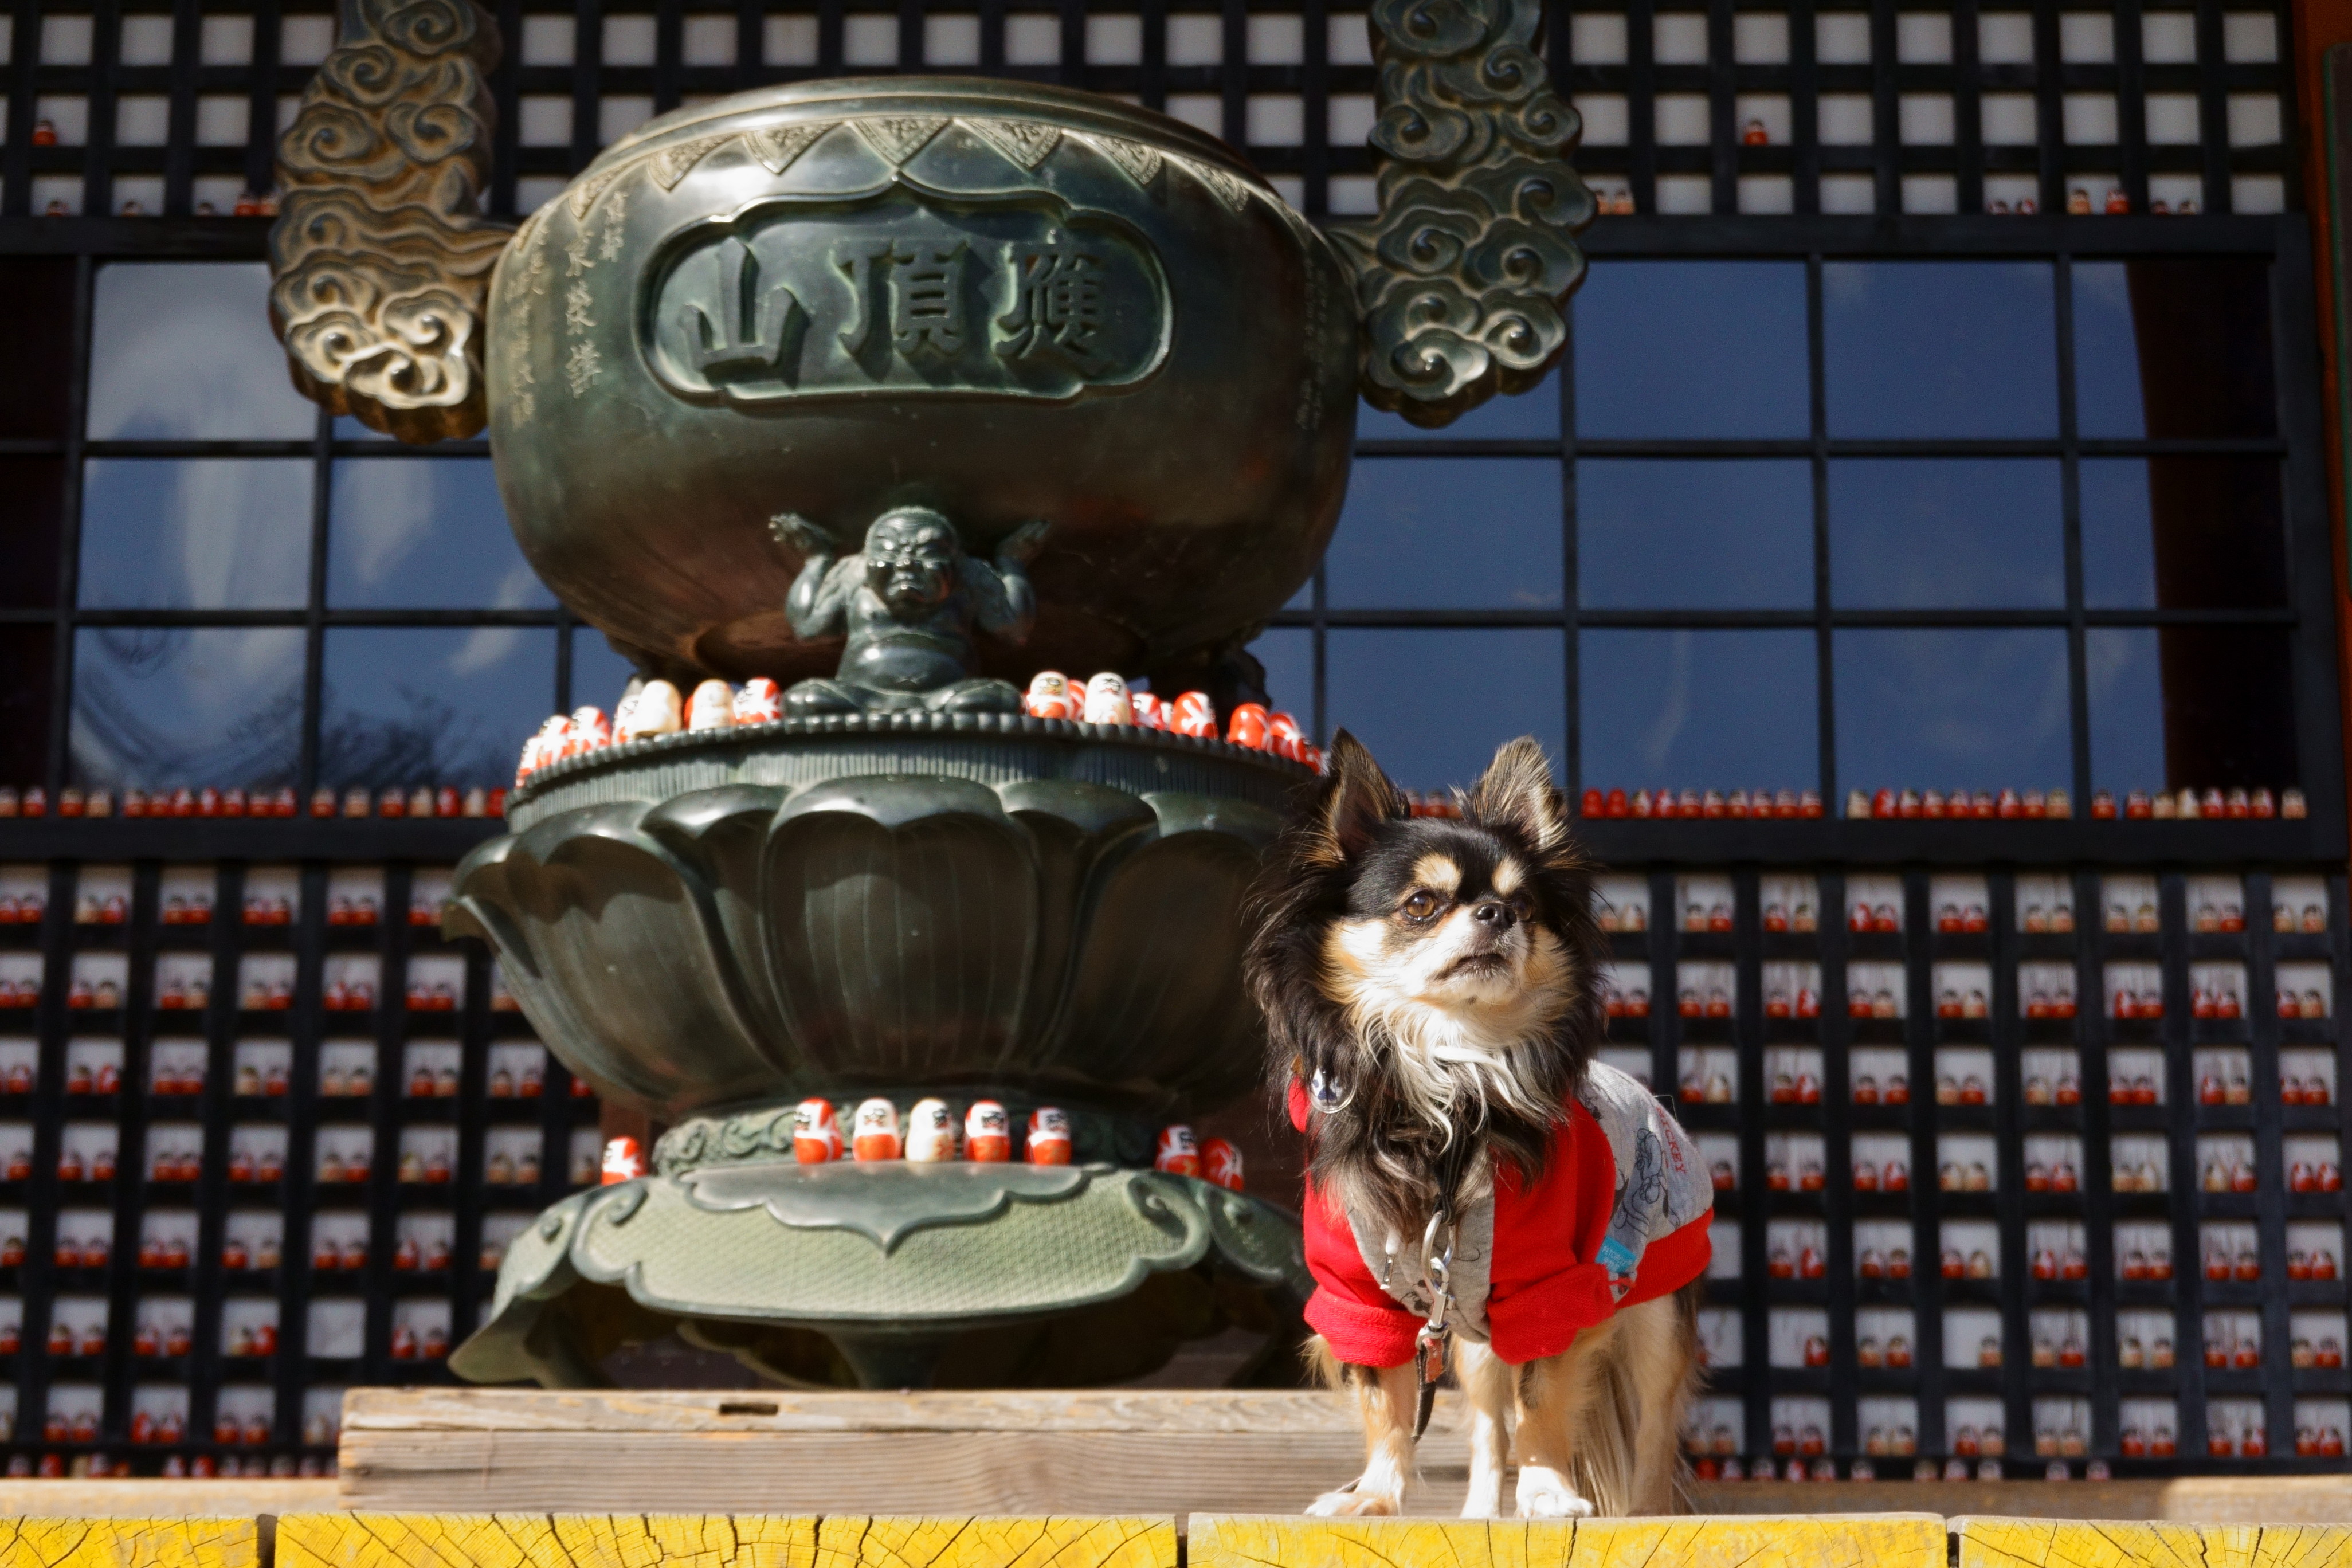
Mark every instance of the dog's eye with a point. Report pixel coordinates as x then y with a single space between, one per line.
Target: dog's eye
1420 905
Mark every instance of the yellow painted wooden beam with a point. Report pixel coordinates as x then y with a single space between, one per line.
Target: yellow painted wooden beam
2094 1543
130 1543
717 1540
1814 1541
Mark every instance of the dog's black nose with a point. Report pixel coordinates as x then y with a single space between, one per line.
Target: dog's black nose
1495 913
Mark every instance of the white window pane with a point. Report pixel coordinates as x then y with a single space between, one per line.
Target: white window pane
227 41
289 106
69 117
544 120
1760 38
1678 40
58 193
616 117
1354 195
1597 40
1349 39
305 40
1291 188
547 40
2017 193
2259 194
143 119
1767 194
182 351
628 40
1351 117
1682 119
1276 120
1606 122
2005 38
535 191
1203 110
65 40
2172 118
1845 119
2178 193
1842 38
1685 194
1277 40
136 194
1115 40
1032 40
870 41
1196 40
212 194
2169 38
2011 119
1768 109
1923 38
2090 119
2254 118
7 39
2250 38
146 41
1926 119
221 120
951 40
789 41
2086 38
707 41
1930 194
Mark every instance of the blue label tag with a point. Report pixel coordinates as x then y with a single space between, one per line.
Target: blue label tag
1616 1257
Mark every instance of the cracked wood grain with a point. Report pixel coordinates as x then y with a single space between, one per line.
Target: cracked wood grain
129 1543
1816 1540
2113 1544
718 1541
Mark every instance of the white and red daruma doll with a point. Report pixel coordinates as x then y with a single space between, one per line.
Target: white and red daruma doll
657 709
987 1133
543 748
816 1136
712 707
1284 738
1193 715
1048 695
1177 1153
1149 714
588 731
1108 702
931 1132
761 701
624 1160
874 1134
1248 726
1221 1163
1049 1136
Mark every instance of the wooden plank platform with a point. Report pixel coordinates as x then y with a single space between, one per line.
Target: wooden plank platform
2060 1544
1822 1540
161 1542
718 1541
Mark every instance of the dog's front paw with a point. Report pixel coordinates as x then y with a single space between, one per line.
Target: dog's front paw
1546 1494
1355 1503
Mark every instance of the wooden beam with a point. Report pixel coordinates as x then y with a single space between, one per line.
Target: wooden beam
130 1543
1819 1540
718 1541
2042 1543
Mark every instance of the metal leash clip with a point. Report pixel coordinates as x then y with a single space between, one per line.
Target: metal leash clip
1429 1342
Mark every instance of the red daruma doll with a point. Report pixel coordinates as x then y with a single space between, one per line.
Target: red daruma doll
1284 738
624 1160
987 1133
1222 1162
1248 727
874 1134
816 1136
1149 714
1193 715
1177 1154
931 1132
759 702
1049 1136
1049 695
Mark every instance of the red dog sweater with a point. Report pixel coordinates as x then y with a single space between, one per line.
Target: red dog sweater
1620 1216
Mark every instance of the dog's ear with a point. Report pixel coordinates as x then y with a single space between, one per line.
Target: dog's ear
1356 798
1517 793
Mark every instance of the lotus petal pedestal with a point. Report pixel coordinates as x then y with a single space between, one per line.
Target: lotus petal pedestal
710 927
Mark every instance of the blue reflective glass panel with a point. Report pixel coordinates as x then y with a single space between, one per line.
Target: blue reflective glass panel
1433 705
432 707
167 707
1946 533
2183 532
1939 349
1288 655
2127 689
1692 348
1694 535
1530 416
1699 709
1929 707
1448 534
415 533
195 534
599 675
2174 349
182 350
2119 564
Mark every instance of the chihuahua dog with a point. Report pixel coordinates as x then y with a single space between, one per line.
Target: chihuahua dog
1475 1179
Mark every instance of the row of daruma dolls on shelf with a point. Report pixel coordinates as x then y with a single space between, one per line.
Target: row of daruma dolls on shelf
1107 698
930 1136
656 708
423 800
1693 805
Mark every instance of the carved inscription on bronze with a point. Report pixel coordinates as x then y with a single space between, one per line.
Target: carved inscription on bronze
899 294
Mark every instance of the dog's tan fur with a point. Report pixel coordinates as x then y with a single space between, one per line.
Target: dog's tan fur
1596 1426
